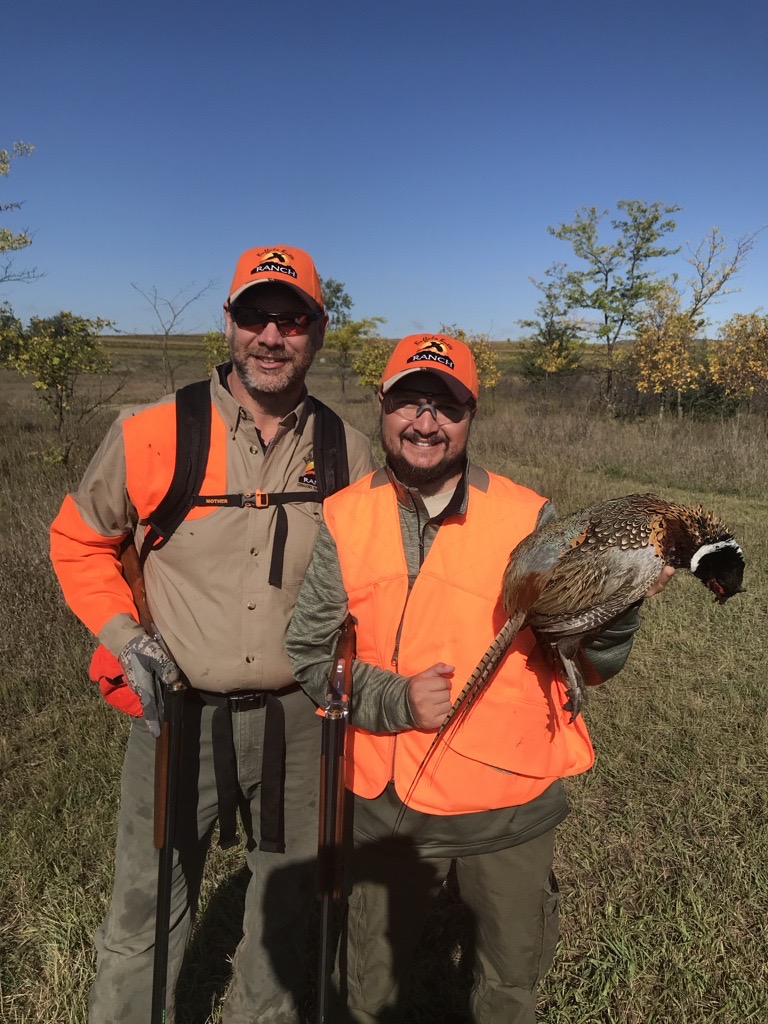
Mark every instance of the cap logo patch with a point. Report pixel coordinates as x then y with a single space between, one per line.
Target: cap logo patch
433 344
280 255
309 477
274 261
432 350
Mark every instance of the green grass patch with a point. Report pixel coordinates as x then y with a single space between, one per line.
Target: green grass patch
662 863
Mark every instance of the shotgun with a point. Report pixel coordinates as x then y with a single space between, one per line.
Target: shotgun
330 848
134 577
167 771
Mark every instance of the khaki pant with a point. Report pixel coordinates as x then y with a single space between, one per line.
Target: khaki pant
269 966
512 898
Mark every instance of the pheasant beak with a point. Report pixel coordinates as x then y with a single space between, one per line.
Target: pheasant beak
718 590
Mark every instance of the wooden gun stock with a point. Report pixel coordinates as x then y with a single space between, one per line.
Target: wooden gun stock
134 577
167 772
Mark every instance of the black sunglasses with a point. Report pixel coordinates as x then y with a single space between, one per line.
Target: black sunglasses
252 319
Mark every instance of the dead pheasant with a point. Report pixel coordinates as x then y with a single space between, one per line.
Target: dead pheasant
577 573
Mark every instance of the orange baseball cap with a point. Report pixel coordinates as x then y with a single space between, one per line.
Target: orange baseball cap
280 263
435 353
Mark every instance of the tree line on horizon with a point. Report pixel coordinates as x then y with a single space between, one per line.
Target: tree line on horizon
612 315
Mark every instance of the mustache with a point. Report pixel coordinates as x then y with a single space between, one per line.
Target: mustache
266 353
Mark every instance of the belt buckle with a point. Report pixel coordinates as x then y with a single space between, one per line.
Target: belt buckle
246 701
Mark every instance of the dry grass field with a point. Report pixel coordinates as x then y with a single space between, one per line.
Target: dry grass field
662 864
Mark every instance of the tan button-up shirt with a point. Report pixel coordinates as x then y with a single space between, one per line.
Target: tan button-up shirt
208 588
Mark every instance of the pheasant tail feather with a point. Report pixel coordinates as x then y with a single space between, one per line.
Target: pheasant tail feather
477 682
475 685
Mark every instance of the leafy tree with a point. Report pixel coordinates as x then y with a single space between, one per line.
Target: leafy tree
618 277
13 241
484 351
557 342
58 352
347 340
739 360
663 353
371 360
170 315
336 301
11 329
486 361
216 349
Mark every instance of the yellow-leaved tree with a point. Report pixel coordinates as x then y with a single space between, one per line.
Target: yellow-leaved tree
664 352
739 359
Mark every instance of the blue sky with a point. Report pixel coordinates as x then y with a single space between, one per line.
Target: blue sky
418 150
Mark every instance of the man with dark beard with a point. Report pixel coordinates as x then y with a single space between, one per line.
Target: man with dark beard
221 591
415 553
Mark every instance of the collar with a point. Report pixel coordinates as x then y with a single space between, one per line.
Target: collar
410 497
234 414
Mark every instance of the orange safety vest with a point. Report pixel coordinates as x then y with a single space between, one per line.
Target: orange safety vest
94 586
517 739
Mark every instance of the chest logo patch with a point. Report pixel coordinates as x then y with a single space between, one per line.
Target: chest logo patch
308 477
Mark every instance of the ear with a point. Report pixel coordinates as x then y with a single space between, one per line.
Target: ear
320 328
227 317
380 396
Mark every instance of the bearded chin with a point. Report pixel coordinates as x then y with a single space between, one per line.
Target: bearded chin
416 476
256 384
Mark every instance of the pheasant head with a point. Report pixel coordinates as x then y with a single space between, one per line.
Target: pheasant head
703 544
720 567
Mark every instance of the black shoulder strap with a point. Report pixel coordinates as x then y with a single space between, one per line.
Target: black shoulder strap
329 444
193 439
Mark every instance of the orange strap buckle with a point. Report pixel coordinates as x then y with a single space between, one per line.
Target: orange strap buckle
255 499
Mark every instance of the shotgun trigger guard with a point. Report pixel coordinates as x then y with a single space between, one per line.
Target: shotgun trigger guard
337 702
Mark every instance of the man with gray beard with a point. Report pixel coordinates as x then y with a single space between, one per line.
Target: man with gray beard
221 591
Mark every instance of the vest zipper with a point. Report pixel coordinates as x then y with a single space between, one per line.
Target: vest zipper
394 669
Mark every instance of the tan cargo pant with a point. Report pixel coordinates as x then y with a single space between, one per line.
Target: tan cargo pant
512 898
269 966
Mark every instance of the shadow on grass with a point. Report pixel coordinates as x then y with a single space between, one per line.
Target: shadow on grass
206 970
432 964
441 979
440 971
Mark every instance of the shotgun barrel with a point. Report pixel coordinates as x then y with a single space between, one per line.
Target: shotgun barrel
330 851
167 774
